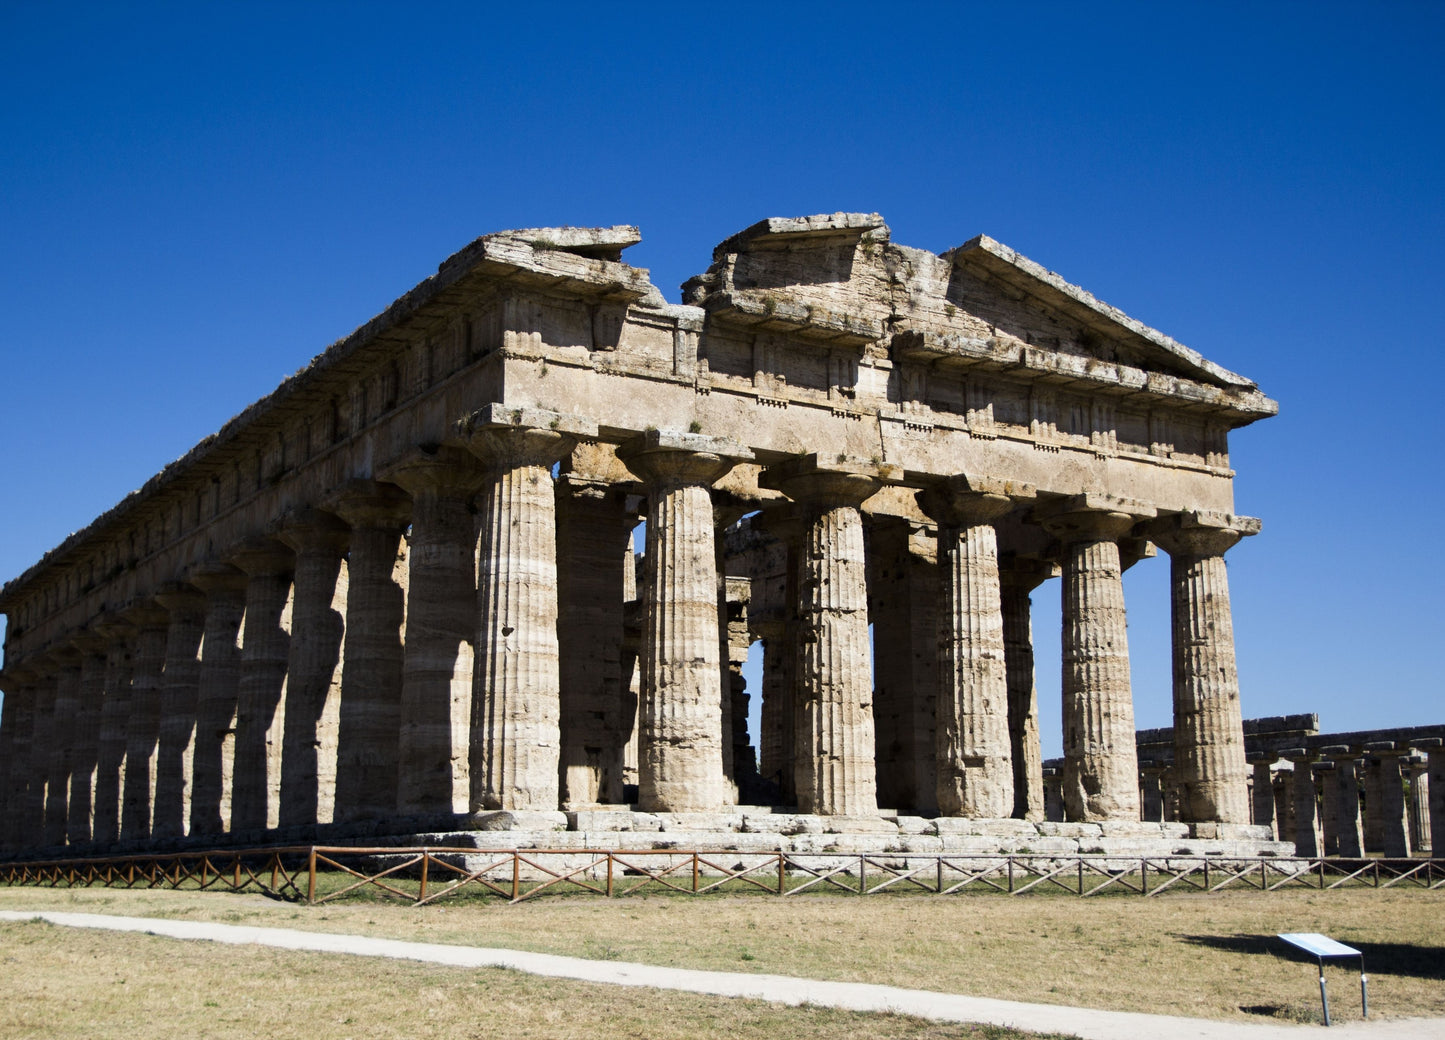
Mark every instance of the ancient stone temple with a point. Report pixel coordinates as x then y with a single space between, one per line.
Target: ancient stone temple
401 592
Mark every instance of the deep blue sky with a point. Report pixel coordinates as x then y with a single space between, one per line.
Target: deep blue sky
197 198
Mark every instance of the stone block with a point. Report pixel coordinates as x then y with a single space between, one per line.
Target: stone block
1128 829
1070 830
700 821
916 825
597 820
858 825
520 820
986 828
782 823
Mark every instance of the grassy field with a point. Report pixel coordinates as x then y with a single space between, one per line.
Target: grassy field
1204 955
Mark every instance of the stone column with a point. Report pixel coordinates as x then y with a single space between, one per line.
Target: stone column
1208 723
1151 791
216 697
593 524
1329 810
903 601
835 743
111 743
433 759
680 762
314 666
180 683
62 742
1436 774
369 735
1370 781
1392 824
27 783
1419 804
1263 796
781 706
974 750
260 710
1349 835
1100 779
1053 795
1306 805
1017 580
143 728
87 736
516 708
11 746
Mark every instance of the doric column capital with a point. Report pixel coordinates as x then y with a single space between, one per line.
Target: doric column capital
828 482
505 438
1025 573
664 459
1338 753
88 642
217 578
1201 533
967 501
147 616
66 655
313 530
262 557
434 467
371 504
113 627
1092 518
1299 756
181 598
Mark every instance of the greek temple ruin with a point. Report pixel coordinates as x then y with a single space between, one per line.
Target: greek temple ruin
400 594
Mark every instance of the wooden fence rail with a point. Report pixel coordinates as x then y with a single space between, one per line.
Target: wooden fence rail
315 874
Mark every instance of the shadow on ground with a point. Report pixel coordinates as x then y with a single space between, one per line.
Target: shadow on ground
1405 959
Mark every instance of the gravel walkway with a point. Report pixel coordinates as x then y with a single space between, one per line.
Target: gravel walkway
944 1007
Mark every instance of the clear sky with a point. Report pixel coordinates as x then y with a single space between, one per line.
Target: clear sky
197 198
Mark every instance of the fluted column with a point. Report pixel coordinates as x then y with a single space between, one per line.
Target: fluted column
781 704
1329 810
1419 804
1100 779
369 737
1208 723
835 772
1436 773
111 743
11 747
516 738
42 746
1349 835
1017 580
974 752
213 758
143 726
314 667
1370 780
1306 837
680 761
87 736
62 742
1390 810
433 757
593 525
1262 795
27 783
186 606
260 710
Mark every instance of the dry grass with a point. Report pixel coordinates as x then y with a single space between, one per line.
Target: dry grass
74 983
1210 956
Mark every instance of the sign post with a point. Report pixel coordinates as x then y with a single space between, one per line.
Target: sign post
1321 947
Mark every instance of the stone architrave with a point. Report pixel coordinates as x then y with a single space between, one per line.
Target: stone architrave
834 768
260 693
62 743
217 688
180 685
1100 779
974 754
593 524
1208 722
1306 836
433 758
1349 835
369 727
1018 578
111 742
87 735
143 724
680 755
516 695
314 666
